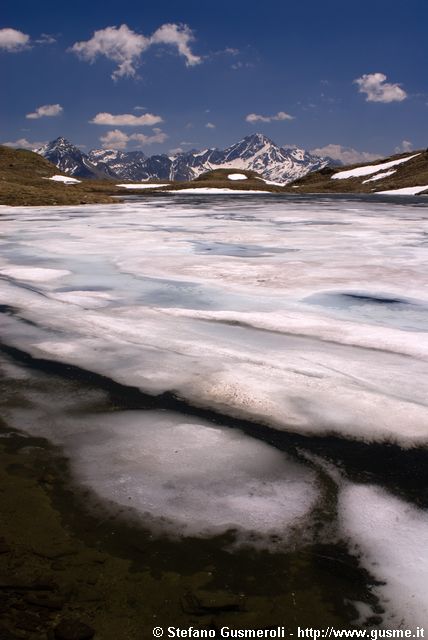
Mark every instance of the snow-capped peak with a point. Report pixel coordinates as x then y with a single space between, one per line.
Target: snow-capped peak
255 152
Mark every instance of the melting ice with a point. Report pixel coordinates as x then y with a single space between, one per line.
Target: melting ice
309 315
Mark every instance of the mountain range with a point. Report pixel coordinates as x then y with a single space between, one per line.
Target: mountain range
256 152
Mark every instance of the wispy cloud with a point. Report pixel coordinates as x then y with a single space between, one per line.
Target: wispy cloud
347 155
124 46
126 119
376 88
45 38
210 125
13 41
281 115
117 139
405 145
45 111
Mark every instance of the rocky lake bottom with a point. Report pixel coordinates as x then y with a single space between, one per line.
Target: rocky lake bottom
214 413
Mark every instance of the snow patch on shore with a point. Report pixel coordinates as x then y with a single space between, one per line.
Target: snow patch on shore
370 169
405 191
380 176
142 185
237 176
64 179
216 190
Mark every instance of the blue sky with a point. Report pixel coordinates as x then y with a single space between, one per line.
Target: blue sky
320 75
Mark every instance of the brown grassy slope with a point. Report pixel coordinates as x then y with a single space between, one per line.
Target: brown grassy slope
409 174
217 178
23 181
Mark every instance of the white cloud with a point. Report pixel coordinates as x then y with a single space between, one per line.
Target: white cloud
210 125
176 151
376 88
23 143
347 155
177 35
281 115
12 40
125 47
46 110
404 146
126 120
114 140
46 38
117 139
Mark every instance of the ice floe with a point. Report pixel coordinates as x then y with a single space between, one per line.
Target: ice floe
33 274
390 536
192 477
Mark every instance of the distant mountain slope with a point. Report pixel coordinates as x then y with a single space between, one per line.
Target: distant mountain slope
125 165
69 159
254 153
405 173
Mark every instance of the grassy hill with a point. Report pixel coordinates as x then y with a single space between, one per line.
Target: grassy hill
24 180
412 173
219 179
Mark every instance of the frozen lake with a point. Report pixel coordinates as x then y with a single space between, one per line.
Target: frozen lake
284 341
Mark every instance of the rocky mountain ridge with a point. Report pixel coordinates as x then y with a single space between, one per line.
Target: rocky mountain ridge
256 152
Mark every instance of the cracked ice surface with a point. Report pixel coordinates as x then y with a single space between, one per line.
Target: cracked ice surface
308 315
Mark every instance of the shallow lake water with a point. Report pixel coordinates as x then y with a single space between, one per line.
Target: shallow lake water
241 378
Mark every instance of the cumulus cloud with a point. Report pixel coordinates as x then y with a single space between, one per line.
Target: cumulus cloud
46 110
117 139
125 47
177 35
23 143
13 41
404 146
126 119
281 115
114 140
347 155
376 88
210 125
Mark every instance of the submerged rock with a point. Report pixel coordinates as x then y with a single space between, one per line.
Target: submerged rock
73 630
